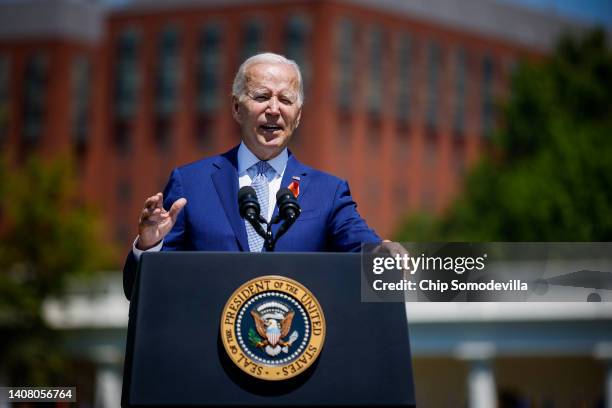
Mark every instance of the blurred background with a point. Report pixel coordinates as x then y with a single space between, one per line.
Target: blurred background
473 120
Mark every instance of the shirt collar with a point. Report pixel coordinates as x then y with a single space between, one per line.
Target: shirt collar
246 159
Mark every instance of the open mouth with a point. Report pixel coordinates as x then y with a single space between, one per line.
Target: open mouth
270 128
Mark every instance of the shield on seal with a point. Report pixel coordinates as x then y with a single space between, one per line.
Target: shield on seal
273 333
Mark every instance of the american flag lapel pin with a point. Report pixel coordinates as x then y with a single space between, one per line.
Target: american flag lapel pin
294 186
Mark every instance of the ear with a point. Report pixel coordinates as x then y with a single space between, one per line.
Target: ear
299 116
236 114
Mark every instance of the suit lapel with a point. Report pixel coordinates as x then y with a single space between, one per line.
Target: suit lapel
225 180
295 171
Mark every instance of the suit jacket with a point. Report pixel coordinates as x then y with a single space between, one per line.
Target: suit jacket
211 221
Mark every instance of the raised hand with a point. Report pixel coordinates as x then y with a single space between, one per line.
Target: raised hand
155 222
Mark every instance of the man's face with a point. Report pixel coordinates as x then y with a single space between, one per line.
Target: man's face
269 112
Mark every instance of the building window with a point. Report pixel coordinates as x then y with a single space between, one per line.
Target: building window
124 192
168 71
429 186
127 86
461 65
122 232
488 108
404 79
167 83
345 52
252 40
127 77
343 141
512 65
375 84
4 98
404 47
209 69
296 37
434 57
458 158
81 81
35 88
401 155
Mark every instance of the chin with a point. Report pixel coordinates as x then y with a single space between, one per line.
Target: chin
270 151
271 141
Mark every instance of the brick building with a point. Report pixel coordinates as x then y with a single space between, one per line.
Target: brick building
400 95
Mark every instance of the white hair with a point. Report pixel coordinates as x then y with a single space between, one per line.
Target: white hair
239 85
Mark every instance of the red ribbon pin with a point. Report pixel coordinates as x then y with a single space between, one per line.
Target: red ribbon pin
294 186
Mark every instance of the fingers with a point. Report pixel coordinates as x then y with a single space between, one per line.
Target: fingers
155 201
395 248
153 209
392 248
154 213
176 208
149 217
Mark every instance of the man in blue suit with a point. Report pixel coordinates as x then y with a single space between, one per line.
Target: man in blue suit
201 198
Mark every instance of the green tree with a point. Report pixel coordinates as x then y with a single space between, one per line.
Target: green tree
46 237
548 176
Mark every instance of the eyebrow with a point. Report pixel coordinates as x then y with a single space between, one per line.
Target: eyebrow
284 94
259 90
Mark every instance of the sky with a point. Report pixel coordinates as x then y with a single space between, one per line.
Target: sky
595 11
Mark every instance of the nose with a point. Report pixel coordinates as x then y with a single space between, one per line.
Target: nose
273 106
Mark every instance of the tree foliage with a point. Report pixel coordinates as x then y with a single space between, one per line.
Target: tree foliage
551 176
46 237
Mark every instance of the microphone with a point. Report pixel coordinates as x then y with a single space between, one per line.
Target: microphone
288 210
288 207
249 208
248 203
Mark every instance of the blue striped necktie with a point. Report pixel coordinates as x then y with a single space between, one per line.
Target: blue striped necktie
260 185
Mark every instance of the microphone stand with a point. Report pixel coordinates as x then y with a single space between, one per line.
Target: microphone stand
250 211
269 239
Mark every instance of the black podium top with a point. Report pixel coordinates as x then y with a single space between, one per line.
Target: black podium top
175 356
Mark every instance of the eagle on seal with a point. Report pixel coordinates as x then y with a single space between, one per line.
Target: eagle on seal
270 331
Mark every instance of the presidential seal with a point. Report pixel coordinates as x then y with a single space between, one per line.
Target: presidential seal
273 328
